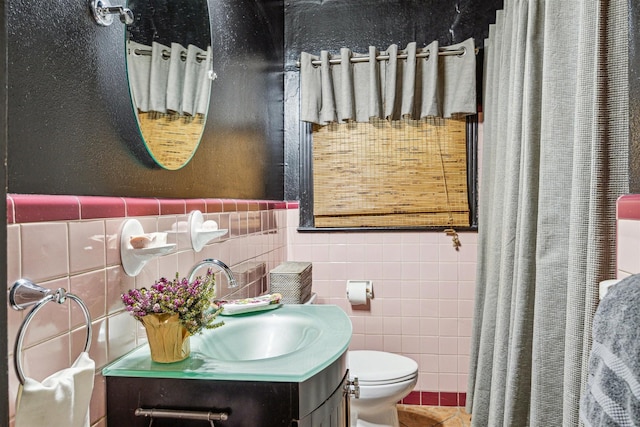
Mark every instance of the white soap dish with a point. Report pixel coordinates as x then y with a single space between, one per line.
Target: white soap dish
202 232
137 247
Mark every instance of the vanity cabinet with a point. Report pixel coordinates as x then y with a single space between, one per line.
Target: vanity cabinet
286 367
334 412
320 401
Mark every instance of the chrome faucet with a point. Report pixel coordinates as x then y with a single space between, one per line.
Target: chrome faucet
211 262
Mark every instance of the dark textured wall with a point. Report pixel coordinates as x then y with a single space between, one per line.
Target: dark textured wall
4 306
314 25
71 128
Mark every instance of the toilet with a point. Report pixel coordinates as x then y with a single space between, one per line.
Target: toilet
384 380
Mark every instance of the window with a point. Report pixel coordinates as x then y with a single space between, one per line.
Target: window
390 175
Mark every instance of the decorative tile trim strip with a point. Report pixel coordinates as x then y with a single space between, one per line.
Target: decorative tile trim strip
142 207
214 206
11 216
412 398
23 208
434 398
172 206
196 205
37 208
628 207
93 207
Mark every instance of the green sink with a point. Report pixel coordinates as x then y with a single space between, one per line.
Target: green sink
259 337
291 343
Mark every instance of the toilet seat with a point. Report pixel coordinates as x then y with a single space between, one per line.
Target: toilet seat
385 382
380 368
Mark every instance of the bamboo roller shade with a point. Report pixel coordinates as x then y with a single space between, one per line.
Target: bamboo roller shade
391 174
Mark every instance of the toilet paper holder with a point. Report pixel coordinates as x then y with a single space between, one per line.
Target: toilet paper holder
359 291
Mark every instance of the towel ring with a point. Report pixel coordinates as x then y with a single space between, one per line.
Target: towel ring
25 293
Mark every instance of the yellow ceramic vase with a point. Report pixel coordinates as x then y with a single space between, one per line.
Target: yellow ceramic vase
168 339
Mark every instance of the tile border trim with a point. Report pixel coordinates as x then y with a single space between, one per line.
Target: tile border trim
628 207
23 208
435 398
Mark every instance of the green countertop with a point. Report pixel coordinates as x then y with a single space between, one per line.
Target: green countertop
299 341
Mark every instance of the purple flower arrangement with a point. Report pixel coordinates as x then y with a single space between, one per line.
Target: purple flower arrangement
192 302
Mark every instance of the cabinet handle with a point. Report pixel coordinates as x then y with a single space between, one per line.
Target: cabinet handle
181 415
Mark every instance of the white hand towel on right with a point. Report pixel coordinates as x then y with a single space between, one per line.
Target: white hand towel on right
60 400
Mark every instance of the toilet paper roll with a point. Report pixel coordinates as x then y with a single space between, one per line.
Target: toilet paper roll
357 291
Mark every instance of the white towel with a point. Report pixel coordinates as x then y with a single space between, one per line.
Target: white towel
60 400
247 305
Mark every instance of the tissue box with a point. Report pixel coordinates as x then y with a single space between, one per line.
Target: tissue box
292 280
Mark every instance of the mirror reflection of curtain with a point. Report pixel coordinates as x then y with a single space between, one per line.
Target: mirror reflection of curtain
415 87
204 86
158 77
196 80
175 79
169 79
139 69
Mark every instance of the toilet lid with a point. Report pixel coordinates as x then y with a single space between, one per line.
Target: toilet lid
380 367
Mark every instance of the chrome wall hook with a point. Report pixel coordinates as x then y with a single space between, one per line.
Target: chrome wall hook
103 12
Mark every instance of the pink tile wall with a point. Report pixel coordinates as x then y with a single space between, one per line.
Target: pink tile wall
423 298
423 287
72 242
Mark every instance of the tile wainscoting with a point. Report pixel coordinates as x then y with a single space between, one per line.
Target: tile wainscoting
72 242
423 287
423 297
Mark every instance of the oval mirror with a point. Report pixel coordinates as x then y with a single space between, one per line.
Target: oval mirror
169 68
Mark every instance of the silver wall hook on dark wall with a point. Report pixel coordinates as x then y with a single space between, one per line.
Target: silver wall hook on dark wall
103 12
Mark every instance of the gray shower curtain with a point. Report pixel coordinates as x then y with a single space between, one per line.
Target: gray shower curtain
554 162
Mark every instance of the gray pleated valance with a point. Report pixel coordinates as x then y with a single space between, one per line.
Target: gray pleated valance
424 84
169 79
